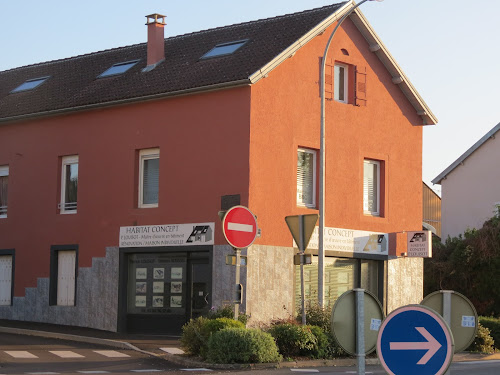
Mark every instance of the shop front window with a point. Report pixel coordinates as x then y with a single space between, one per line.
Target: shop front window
157 284
341 275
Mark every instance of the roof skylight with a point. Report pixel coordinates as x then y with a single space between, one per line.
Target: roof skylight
224 49
30 84
119 68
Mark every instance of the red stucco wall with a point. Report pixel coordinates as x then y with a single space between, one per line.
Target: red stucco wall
203 141
286 115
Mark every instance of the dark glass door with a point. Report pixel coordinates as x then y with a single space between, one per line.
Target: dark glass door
200 288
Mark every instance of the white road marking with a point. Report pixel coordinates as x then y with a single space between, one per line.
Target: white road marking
43 373
21 354
173 350
477 362
151 370
303 370
66 354
111 353
240 227
195 369
93 372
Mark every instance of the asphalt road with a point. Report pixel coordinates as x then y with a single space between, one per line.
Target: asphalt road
29 355
21 354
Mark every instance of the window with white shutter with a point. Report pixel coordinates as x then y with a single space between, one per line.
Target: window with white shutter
306 178
149 176
66 277
4 180
5 280
371 187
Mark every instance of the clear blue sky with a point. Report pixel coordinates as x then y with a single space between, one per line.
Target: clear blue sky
448 48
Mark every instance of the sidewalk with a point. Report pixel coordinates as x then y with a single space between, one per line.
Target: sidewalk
168 347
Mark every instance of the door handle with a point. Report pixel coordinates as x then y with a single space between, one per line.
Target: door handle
205 298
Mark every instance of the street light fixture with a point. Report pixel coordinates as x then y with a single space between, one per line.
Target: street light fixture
321 251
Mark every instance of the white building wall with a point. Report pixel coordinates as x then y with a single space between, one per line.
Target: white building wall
471 190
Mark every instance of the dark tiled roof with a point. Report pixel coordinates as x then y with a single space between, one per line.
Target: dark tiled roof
73 82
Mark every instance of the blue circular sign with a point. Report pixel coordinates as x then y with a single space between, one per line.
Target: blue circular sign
415 340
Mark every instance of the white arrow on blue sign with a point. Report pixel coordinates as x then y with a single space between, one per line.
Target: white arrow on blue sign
415 340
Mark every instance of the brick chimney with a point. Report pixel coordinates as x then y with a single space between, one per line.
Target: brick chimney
156 39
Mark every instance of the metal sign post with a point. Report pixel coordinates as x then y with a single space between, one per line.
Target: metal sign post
240 229
356 318
302 227
360 330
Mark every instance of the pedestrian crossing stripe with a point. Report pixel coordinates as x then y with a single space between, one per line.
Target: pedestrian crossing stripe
66 354
111 353
20 354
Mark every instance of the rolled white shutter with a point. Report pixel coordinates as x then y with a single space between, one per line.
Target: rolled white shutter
5 280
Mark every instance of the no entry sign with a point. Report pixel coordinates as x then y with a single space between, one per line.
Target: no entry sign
239 227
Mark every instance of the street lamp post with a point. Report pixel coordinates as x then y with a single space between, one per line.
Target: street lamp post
321 251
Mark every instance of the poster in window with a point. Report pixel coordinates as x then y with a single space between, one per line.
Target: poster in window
157 301
307 275
176 273
176 287
141 287
159 273
141 273
158 287
176 301
140 301
343 277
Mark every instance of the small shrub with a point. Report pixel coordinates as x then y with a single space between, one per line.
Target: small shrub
240 345
192 339
221 312
317 316
322 347
196 333
293 340
493 324
226 311
483 342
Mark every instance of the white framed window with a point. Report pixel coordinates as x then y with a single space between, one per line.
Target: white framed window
306 177
4 184
69 184
6 280
149 177
340 81
371 187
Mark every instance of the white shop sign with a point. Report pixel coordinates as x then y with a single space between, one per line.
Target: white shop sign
420 244
167 235
351 241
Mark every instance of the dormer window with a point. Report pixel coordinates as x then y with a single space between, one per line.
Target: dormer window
119 68
224 49
30 84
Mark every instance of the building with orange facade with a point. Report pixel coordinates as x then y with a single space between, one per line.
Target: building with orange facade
114 166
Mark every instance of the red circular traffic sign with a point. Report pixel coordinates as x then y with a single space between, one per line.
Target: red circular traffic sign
239 227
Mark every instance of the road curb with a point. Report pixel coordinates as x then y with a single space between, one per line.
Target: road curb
64 336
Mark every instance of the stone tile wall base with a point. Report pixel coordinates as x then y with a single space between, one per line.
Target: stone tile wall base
96 298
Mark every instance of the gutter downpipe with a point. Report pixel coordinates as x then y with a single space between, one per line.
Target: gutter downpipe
321 251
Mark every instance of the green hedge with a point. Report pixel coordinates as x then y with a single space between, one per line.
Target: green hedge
196 333
293 340
483 343
493 324
240 345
